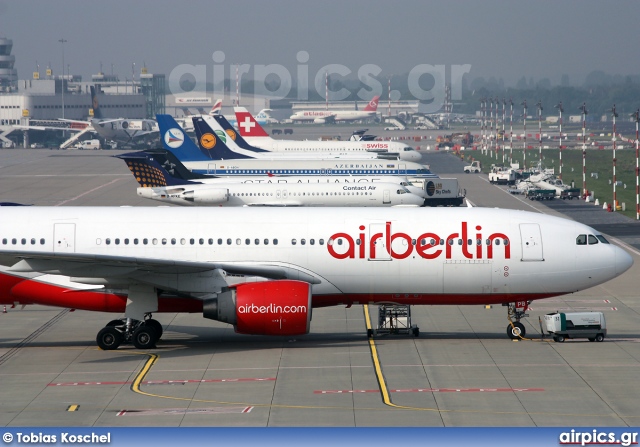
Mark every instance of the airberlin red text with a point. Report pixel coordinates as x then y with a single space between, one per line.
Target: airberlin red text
427 245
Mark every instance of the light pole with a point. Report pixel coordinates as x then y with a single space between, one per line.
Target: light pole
511 131
524 152
636 118
539 106
62 41
504 109
615 201
584 110
560 110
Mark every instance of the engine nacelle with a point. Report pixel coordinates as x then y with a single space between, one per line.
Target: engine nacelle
319 120
264 308
206 195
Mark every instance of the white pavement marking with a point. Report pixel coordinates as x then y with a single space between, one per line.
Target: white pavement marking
87 192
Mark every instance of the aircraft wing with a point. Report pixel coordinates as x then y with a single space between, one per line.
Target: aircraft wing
159 272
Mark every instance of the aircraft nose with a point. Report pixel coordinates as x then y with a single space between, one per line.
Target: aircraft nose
623 261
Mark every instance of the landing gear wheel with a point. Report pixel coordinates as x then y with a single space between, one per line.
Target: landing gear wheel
109 338
559 338
155 324
144 337
516 331
369 333
599 337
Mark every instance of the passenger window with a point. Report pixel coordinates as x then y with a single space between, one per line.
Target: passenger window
312 241
210 241
293 242
592 240
247 241
229 241
257 241
4 242
581 240
106 241
145 241
98 241
266 242
238 241
126 241
117 241
33 242
135 241
275 242
42 241
173 241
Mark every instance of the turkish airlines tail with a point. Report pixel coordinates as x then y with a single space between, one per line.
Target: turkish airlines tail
373 104
247 124
217 107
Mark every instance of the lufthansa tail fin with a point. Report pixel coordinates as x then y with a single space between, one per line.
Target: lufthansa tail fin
212 143
95 105
247 124
149 172
235 136
175 140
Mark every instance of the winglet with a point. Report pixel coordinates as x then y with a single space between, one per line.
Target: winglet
247 124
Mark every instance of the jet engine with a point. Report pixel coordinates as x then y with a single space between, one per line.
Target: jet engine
319 121
264 308
206 195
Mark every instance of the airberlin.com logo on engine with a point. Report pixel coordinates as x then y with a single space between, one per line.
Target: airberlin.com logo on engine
271 309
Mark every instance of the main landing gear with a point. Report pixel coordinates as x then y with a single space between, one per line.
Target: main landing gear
516 311
143 334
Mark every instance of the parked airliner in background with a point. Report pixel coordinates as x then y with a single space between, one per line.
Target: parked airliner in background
175 140
264 269
125 131
326 116
261 117
256 136
158 184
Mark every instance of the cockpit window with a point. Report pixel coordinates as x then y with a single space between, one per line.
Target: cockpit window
602 239
581 240
592 240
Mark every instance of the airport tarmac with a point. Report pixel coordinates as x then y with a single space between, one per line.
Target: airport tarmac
461 371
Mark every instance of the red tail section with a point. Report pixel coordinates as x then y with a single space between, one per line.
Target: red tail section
373 104
247 125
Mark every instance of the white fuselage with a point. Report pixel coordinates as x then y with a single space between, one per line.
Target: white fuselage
288 194
336 115
359 255
404 151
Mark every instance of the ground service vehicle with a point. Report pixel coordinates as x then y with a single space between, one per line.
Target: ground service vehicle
591 325
475 167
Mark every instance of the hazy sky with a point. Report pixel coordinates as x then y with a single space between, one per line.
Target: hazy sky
500 38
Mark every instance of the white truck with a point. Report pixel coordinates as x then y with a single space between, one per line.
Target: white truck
561 326
88 144
439 191
475 167
502 175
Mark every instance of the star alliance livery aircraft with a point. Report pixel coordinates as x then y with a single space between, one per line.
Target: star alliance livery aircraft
263 270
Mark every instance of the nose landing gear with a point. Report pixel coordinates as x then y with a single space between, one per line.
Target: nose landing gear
516 311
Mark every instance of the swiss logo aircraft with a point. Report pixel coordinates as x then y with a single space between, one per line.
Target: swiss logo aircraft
325 116
263 270
218 160
255 135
